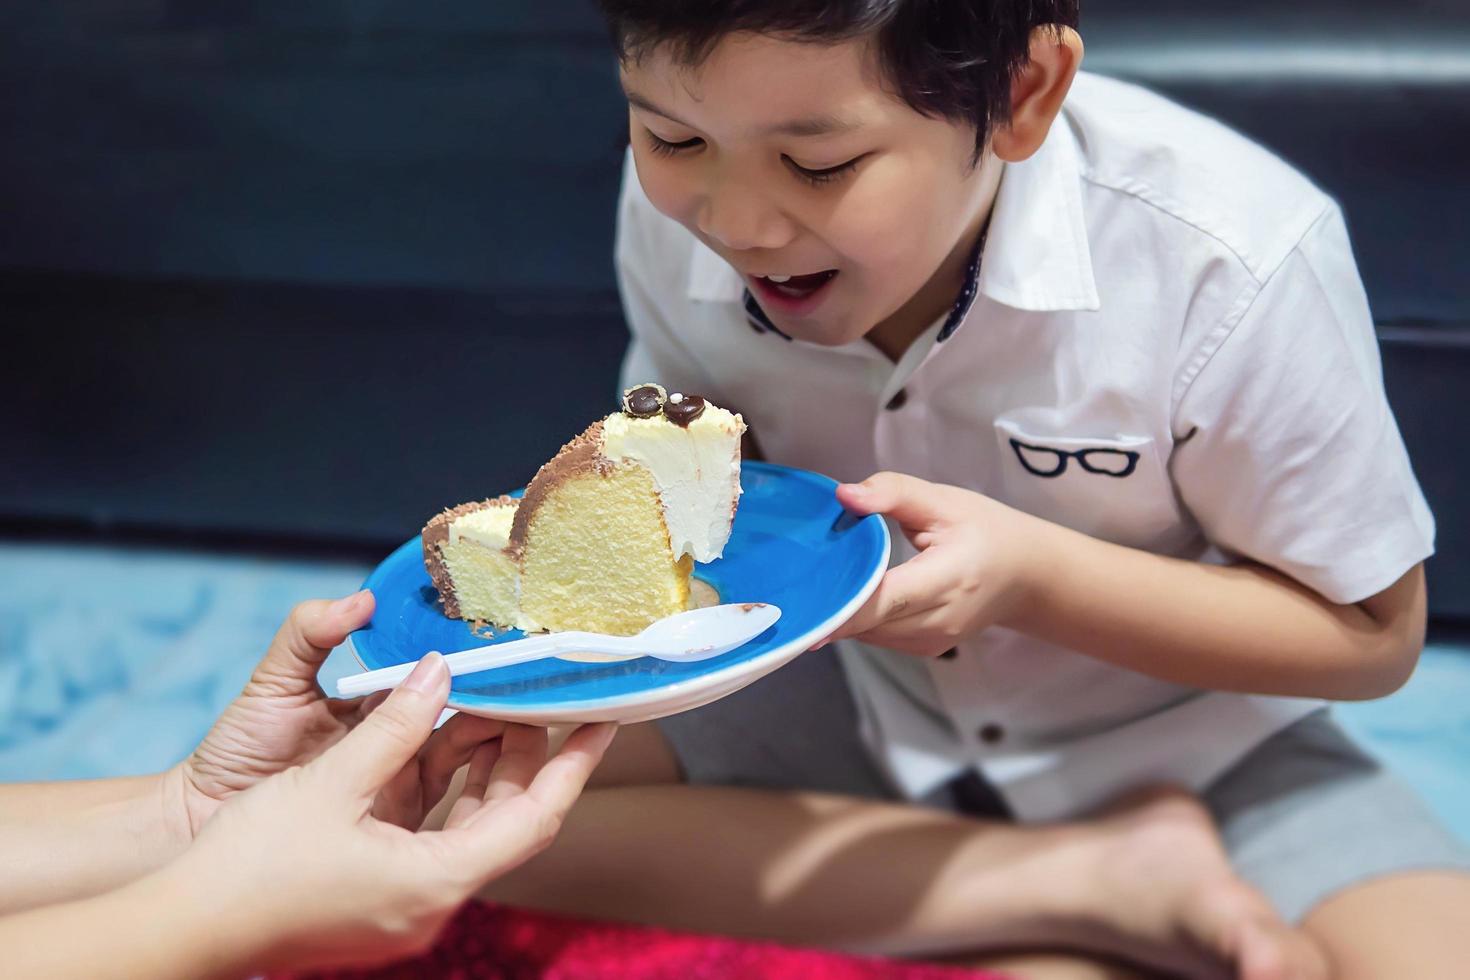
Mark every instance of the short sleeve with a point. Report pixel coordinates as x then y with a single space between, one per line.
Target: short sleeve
649 266
1287 452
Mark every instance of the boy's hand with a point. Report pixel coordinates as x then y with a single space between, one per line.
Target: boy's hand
972 569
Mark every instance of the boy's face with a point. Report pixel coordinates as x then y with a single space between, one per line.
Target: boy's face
791 159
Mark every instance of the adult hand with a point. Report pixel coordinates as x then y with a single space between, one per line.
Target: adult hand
313 877
284 719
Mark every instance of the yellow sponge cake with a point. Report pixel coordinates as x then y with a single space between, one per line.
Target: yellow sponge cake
473 540
607 533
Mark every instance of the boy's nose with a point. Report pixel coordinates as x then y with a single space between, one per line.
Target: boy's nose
740 220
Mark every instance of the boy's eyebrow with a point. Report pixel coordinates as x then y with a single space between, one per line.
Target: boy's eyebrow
821 125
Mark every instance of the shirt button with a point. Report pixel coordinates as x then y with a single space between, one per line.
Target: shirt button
949 654
991 733
897 401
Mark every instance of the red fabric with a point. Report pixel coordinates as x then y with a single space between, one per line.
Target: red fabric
488 942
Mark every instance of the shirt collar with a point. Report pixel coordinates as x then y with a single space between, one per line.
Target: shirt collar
712 280
1038 257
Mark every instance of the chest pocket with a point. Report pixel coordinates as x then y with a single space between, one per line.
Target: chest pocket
1114 488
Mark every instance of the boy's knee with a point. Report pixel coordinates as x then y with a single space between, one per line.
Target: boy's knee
640 755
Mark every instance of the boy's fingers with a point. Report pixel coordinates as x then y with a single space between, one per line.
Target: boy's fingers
862 621
912 502
926 633
373 752
312 630
903 590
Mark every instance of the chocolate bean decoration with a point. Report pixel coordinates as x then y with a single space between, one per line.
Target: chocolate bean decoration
644 401
682 409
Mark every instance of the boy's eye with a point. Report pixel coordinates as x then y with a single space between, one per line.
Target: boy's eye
660 145
827 174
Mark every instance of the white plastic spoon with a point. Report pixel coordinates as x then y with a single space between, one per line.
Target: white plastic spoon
685 637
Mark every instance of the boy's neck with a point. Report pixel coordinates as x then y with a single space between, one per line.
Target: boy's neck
895 334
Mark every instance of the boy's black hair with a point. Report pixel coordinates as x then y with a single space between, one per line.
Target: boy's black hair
952 59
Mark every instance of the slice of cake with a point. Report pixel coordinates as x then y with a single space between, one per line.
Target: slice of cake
473 539
606 536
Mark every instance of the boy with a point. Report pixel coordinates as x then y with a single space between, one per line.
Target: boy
1118 370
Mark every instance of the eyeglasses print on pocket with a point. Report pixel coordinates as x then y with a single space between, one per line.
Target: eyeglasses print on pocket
1049 463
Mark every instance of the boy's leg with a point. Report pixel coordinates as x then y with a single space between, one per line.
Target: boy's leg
1343 847
641 756
1058 966
1150 883
844 868
638 756
1415 924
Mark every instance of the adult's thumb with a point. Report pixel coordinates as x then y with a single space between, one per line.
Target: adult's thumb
374 751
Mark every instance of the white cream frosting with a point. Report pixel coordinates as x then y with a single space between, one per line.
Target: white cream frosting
696 470
488 526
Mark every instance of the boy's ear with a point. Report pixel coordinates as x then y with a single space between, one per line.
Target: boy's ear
1037 92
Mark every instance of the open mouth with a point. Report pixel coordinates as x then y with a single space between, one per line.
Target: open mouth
794 291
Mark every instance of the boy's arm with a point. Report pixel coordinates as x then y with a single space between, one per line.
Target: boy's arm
1238 628
1284 457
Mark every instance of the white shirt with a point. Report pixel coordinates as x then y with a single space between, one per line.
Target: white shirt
1153 286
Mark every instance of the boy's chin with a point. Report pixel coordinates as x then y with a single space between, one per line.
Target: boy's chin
826 331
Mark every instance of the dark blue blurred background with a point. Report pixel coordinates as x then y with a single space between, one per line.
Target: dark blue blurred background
302 273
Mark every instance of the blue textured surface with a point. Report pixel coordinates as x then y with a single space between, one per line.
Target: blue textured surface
791 545
115 661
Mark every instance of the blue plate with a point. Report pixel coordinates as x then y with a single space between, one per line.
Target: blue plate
792 544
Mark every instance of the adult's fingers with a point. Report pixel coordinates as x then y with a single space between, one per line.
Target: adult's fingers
503 834
561 780
399 801
448 749
309 633
476 782
366 705
522 754
373 752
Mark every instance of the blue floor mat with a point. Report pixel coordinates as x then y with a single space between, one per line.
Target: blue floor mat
115 661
